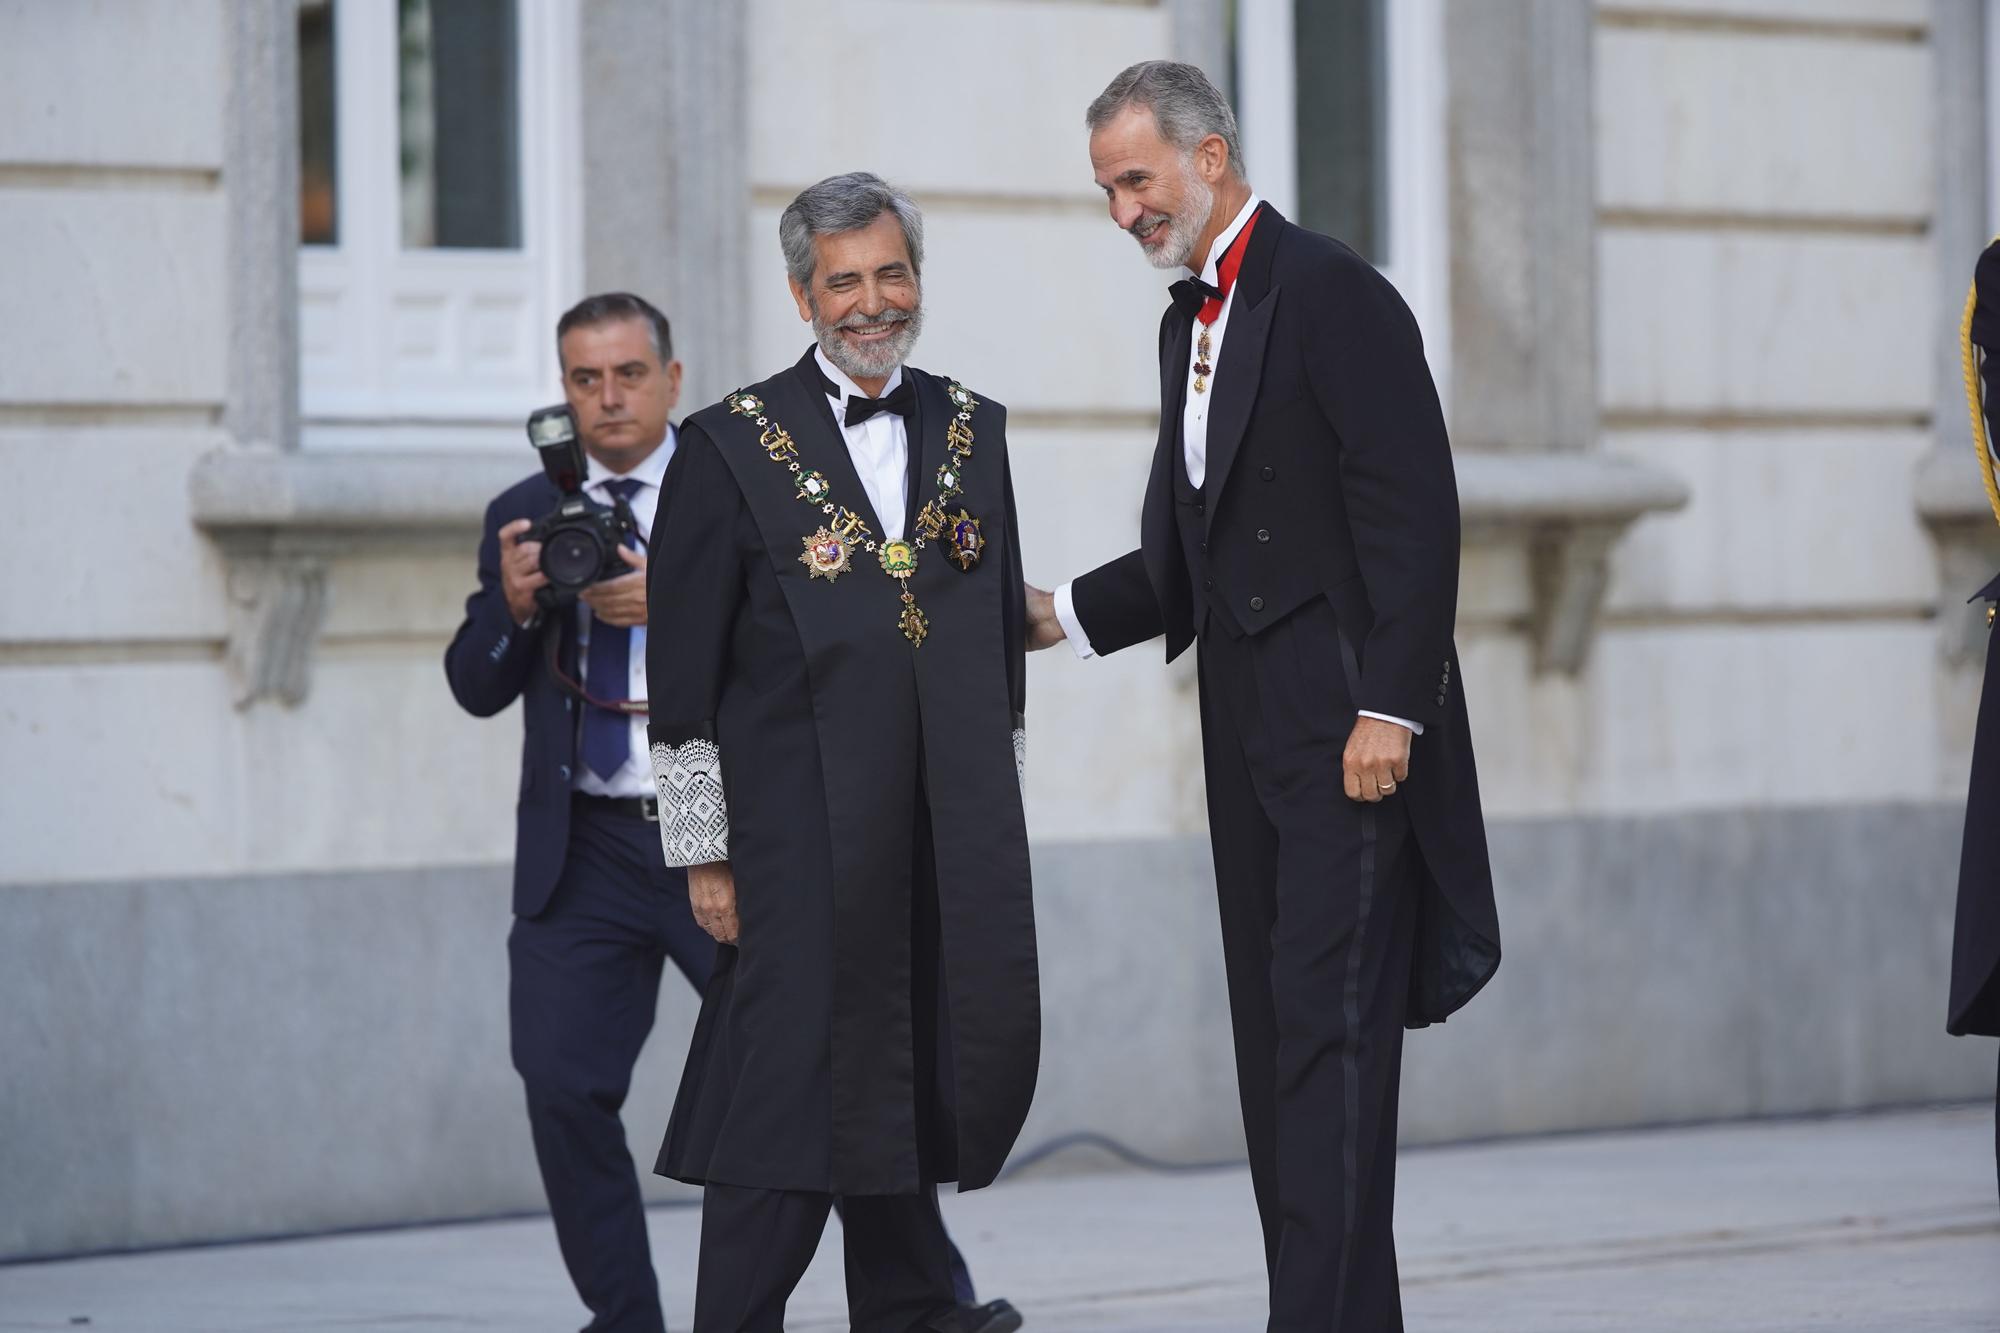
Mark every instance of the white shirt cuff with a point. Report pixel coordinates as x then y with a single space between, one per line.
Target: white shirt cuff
1416 727
1066 616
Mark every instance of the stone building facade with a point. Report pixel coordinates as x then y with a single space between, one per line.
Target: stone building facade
1688 272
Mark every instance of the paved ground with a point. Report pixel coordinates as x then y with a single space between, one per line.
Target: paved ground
1885 1223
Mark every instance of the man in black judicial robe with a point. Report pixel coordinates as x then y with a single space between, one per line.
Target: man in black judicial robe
837 751
1975 957
1301 528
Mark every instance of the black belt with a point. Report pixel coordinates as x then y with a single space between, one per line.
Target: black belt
632 807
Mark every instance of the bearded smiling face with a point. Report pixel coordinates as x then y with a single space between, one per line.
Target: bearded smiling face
1167 239
1156 191
869 346
864 300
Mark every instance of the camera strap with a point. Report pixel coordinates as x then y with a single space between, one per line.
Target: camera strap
551 647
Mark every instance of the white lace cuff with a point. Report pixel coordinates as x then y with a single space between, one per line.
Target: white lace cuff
694 814
1021 758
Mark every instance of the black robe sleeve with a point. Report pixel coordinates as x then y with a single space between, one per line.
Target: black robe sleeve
1368 373
694 588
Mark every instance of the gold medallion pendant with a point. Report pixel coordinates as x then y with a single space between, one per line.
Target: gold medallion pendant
899 559
964 542
899 562
827 556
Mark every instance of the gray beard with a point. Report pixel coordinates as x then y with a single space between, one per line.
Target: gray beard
867 363
1184 227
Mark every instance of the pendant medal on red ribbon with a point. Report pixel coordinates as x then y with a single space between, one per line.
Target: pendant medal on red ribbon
1211 309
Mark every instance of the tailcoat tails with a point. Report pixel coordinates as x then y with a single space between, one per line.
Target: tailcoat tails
877 1027
1975 955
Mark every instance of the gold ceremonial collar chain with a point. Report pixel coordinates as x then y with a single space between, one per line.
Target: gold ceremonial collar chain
829 552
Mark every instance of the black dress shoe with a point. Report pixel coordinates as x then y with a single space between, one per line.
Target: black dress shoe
992 1317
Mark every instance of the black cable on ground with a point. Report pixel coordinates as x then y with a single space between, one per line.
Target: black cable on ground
1123 1152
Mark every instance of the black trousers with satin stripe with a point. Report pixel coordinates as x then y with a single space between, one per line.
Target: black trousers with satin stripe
1317 896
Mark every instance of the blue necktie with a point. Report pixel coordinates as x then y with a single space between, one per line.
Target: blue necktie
607 735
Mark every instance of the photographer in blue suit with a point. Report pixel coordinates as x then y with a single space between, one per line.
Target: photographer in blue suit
597 911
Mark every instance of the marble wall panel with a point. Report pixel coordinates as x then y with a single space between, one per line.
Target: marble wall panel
113 296
1703 324
978 98
1790 125
106 83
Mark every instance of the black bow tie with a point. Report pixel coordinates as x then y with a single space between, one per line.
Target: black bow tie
1190 293
902 400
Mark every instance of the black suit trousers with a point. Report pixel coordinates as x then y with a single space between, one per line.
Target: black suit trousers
584 983
756 1244
902 1268
1317 896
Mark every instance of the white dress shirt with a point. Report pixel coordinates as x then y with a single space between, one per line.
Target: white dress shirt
879 446
1194 420
636 777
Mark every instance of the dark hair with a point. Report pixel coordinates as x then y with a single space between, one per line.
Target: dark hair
610 308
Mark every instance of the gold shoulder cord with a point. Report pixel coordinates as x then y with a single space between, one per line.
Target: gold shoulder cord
1974 396
1973 400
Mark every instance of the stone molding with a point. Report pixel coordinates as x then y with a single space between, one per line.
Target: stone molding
1569 509
280 517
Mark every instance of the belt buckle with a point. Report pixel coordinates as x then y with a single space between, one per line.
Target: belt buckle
649 809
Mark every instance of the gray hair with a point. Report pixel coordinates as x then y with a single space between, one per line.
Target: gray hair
1185 105
845 203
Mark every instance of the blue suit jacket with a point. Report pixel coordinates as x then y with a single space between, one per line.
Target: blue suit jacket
491 662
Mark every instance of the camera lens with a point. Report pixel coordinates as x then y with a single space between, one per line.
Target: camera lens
571 557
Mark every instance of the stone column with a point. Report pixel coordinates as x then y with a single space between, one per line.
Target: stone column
260 179
1201 37
1522 209
665 174
1958 39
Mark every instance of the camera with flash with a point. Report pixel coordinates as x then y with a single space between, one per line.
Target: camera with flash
580 537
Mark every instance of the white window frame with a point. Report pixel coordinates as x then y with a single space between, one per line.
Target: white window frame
1418 230
438 347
